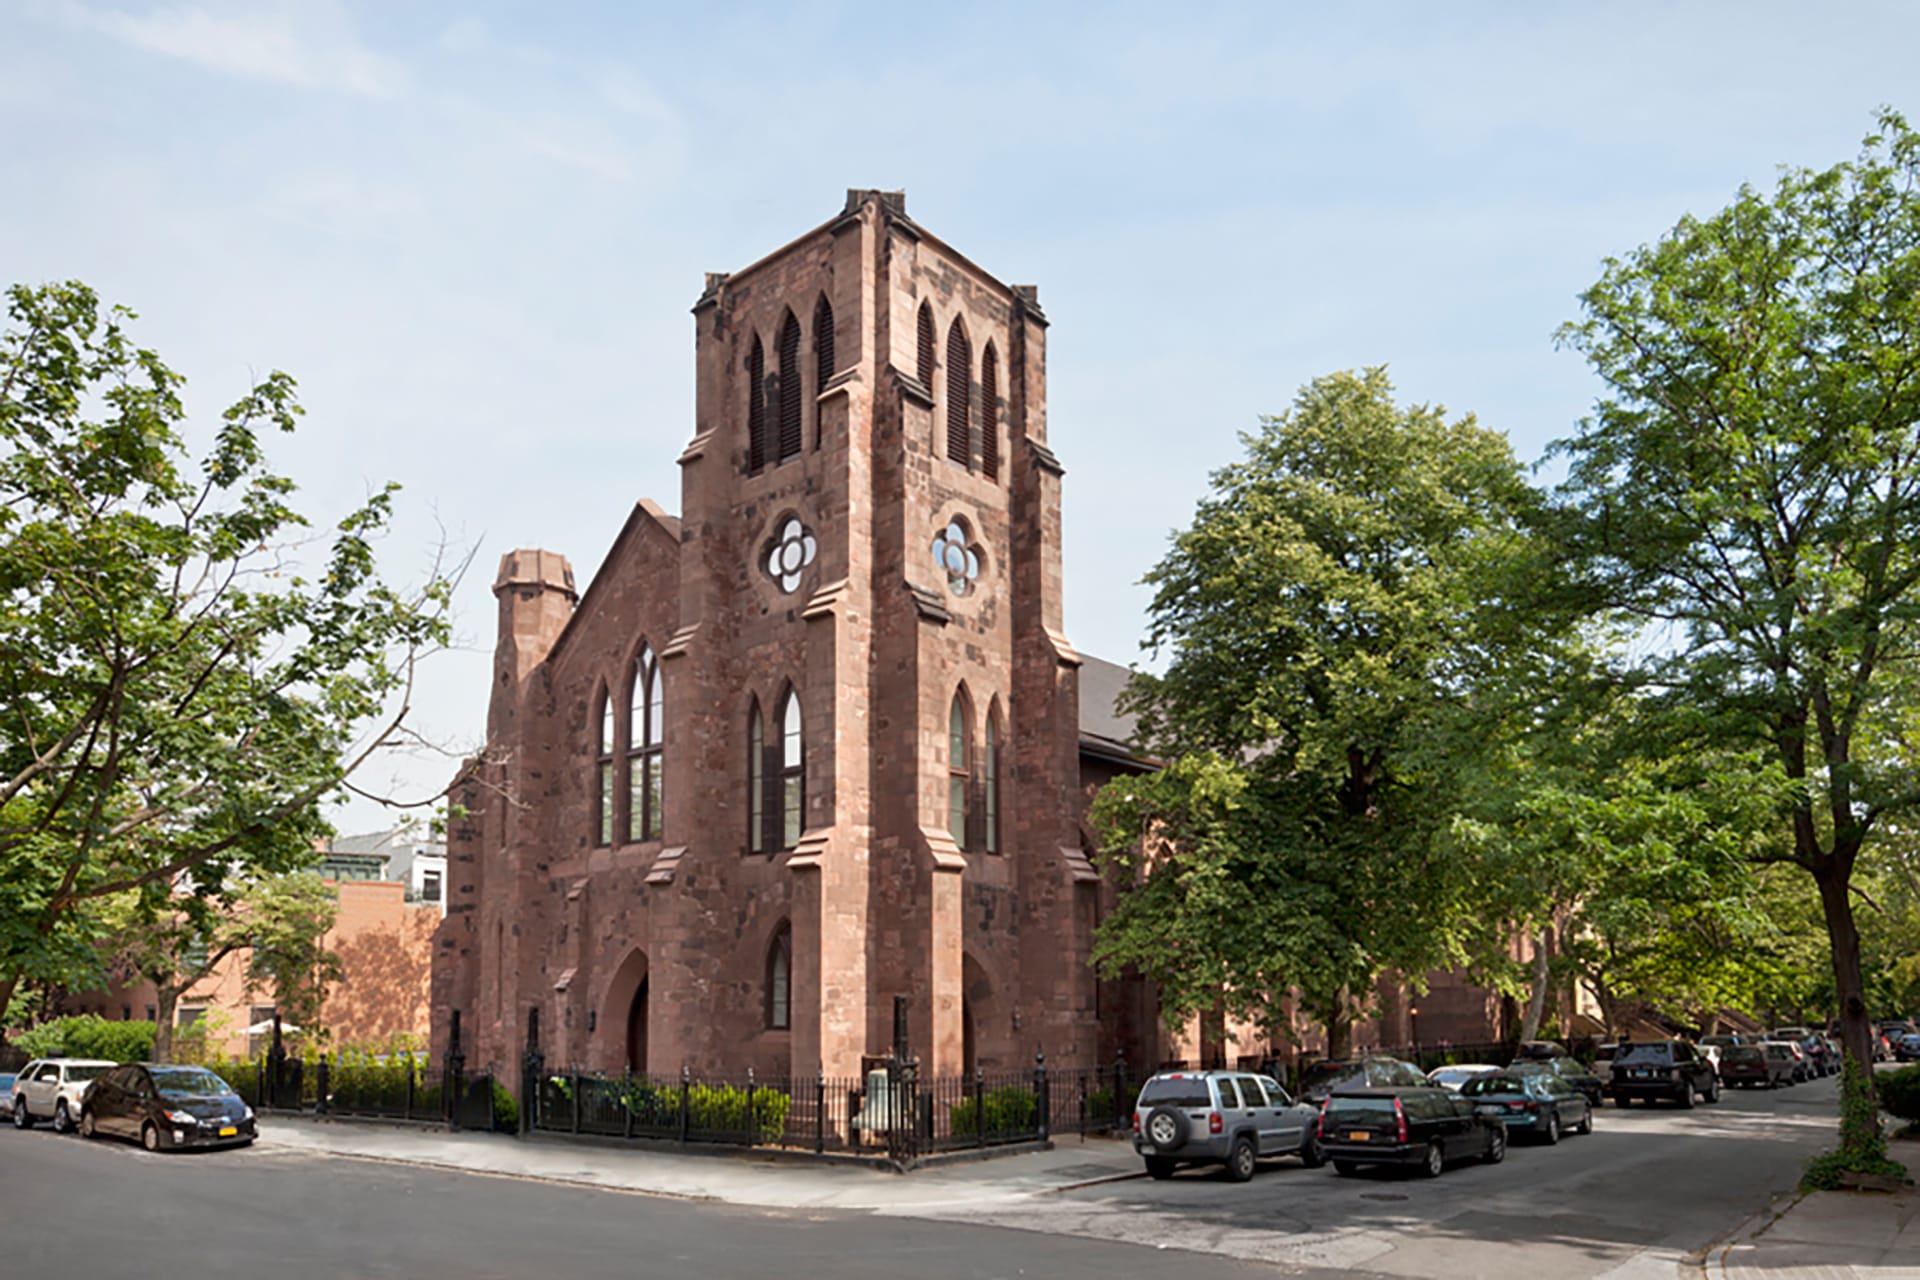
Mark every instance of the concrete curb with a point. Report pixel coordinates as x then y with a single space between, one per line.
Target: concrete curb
1710 1258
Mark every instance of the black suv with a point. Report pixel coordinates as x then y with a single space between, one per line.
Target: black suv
1656 1069
1322 1078
1424 1127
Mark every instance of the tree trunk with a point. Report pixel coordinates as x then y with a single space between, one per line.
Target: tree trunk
1537 1000
166 995
1831 874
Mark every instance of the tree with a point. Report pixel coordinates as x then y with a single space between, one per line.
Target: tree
177 695
176 941
1749 490
1331 613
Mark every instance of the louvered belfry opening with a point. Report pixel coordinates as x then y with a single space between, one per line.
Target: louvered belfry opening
823 365
959 387
989 414
789 408
926 347
756 407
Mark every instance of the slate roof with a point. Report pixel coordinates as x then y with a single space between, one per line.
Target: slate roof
1106 730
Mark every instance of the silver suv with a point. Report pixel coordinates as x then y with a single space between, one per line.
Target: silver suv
1230 1118
51 1089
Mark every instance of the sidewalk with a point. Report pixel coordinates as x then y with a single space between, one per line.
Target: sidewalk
1829 1235
761 1180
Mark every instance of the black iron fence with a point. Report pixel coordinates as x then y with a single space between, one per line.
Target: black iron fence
399 1087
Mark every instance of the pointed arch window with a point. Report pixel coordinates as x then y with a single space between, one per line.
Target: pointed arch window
780 979
603 772
756 406
923 334
959 773
793 772
823 366
757 831
959 397
990 785
788 395
645 724
990 413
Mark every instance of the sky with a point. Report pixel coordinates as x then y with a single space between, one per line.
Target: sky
473 232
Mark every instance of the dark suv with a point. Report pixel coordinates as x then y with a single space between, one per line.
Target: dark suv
1656 1069
1322 1078
1427 1128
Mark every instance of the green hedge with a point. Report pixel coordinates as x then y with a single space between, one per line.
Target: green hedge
1009 1109
88 1035
711 1108
1900 1092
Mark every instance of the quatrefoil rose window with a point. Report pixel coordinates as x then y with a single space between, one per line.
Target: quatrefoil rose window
788 555
957 557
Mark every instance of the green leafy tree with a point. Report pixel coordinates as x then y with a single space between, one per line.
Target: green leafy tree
177 694
1338 602
1749 490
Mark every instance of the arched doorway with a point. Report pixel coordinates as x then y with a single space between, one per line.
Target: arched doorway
637 1031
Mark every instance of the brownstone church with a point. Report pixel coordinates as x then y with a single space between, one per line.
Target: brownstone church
819 741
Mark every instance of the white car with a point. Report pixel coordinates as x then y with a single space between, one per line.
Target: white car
1455 1074
51 1088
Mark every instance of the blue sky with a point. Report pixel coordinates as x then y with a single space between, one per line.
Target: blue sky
473 232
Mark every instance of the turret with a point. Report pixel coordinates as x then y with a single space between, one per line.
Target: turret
536 594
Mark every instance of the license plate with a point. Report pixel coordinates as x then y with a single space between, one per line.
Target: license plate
1641 1075
229 1132
1487 1111
1359 1135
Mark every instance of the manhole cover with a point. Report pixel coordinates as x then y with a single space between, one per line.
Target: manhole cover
1380 1195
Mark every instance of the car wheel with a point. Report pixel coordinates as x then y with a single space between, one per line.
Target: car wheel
1166 1129
1497 1145
1435 1162
149 1136
87 1129
1241 1160
1586 1123
62 1119
1551 1134
1345 1168
1157 1169
1686 1095
1312 1154
1713 1090
22 1118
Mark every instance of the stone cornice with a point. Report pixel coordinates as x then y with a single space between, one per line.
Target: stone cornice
929 605
681 641
945 853
913 389
826 601
696 448
1045 458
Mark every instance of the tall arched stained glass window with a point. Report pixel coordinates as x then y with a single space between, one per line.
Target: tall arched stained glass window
959 772
645 722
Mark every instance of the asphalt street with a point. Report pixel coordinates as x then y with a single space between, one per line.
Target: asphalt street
1649 1186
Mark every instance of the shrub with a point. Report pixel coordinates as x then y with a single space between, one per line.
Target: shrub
1100 1105
1857 1111
506 1112
1009 1109
1900 1092
87 1035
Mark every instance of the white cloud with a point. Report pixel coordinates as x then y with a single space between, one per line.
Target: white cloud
308 45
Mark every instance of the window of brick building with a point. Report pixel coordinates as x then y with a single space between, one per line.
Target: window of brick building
644 733
990 414
990 785
793 772
756 406
823 368
790 397
923 334
757 833
959 395
780 979
430 886
603 770
959 776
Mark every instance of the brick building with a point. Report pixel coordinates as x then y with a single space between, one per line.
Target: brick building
820 740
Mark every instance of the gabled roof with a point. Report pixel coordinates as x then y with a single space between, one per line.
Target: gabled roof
1106 731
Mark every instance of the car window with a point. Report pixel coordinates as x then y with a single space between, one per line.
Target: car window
1556 1087
1484 1086
1176 1091
1646 1053
1340 1105
1229 1093
1683 1052
75 1074
1276 1096
48 1073
189 1082
1405 1074
1333 1074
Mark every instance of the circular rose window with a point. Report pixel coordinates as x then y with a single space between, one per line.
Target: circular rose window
790 552
957 557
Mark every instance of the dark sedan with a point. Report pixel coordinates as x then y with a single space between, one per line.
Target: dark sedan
166 1107
1425 1127
1536 1102
1569 1072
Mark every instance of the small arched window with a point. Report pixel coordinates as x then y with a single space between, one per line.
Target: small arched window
989 413
644 732
990 784
756 782
789 388
959 394
756 406
780 979
823 366
959 772
793 771
603 772
923 334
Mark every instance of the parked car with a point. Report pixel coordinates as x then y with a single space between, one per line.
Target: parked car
1657 1069
1420 1126
1908 1050
1455 1074
1569 1072
1537 1101
167 1108
1788 1057
1804 1066
1376 1072
1229 1118
51 1088
1725 1042
1603 1061
1750 1066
